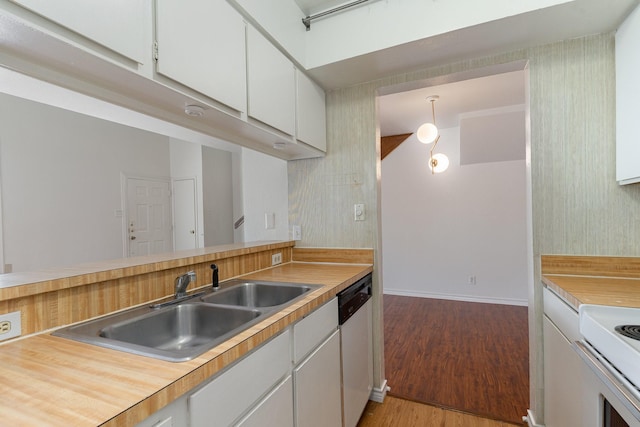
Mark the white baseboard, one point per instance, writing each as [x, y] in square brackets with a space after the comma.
[378, 394]
[530, 420]
[467, 298]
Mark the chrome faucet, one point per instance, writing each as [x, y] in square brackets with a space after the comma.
[182, 282]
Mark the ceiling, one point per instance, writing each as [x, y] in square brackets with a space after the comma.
[569, 20]
[405, 111]
[310, 7]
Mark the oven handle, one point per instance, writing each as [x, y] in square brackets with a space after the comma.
[604, 372]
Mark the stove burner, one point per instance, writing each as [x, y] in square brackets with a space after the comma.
[630, 331]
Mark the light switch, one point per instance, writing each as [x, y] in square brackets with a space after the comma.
[296, 232]
[269, 221]
[358, 212]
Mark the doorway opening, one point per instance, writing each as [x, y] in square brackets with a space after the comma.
[462, 237]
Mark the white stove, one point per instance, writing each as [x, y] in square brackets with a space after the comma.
[598, 327]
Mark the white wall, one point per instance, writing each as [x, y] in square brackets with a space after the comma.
[60, 174]
[437, 230]
[374, 26]
[383, 24]
[265, 190]
[238, 202]
[217, 187]
[282, 20]
[186, 162]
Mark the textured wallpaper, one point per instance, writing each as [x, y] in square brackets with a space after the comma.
[578, 208]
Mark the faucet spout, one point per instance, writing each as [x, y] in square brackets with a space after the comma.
[214, 277]
[182, 282]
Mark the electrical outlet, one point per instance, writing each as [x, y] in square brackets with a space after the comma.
[471, 280]
[276, 258]
[10, 325]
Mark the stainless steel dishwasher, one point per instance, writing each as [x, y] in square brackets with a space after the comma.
[354, 318]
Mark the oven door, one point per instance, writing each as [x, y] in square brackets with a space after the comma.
[607, 399]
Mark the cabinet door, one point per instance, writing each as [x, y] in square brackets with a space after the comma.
[201, 44]
[628, 99]
[172, 415]
[275, 410]
[311, 126]
[118, 24]
[317, 399]
[562, 380]
[562, 374]
[270, 77]
[236, 390]
[357, 364]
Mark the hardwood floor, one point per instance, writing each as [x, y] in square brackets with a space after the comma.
[471, 357]
[396, 412]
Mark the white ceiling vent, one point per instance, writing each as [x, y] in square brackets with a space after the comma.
[497, 137]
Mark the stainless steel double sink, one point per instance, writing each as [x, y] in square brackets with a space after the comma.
[180, 331]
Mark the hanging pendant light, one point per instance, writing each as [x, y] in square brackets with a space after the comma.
[428, 133]
[438, 163]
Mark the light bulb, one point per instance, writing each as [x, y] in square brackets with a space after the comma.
[427, 133]
[439, 163]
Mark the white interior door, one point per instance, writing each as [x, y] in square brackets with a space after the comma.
[149, 216]
[184, 214]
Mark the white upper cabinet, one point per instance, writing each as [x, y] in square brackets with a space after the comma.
[310, 112]
[270, 77]
[628, 100]
[119, 25]
[201, 44]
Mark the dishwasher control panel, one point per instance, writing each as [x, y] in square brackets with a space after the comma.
[354, 297]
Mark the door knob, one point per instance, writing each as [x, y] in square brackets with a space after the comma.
[133, 237]
[193, 231]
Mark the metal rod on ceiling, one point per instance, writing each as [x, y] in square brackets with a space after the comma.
[307, 21]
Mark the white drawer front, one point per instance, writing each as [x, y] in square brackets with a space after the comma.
[562, 315]
[313, 329]
[237, 389]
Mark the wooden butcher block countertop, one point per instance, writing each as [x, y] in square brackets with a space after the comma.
[53, 381]
[593, 280]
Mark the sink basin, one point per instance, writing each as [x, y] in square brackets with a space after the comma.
[175, 333]
[181, 330]
[258, 294]
[180, 327]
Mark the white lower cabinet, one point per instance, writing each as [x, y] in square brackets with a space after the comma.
[291, 380]
[275, 410]
[172, 415]
[231, 393]
[563, 378]
[317, 399]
